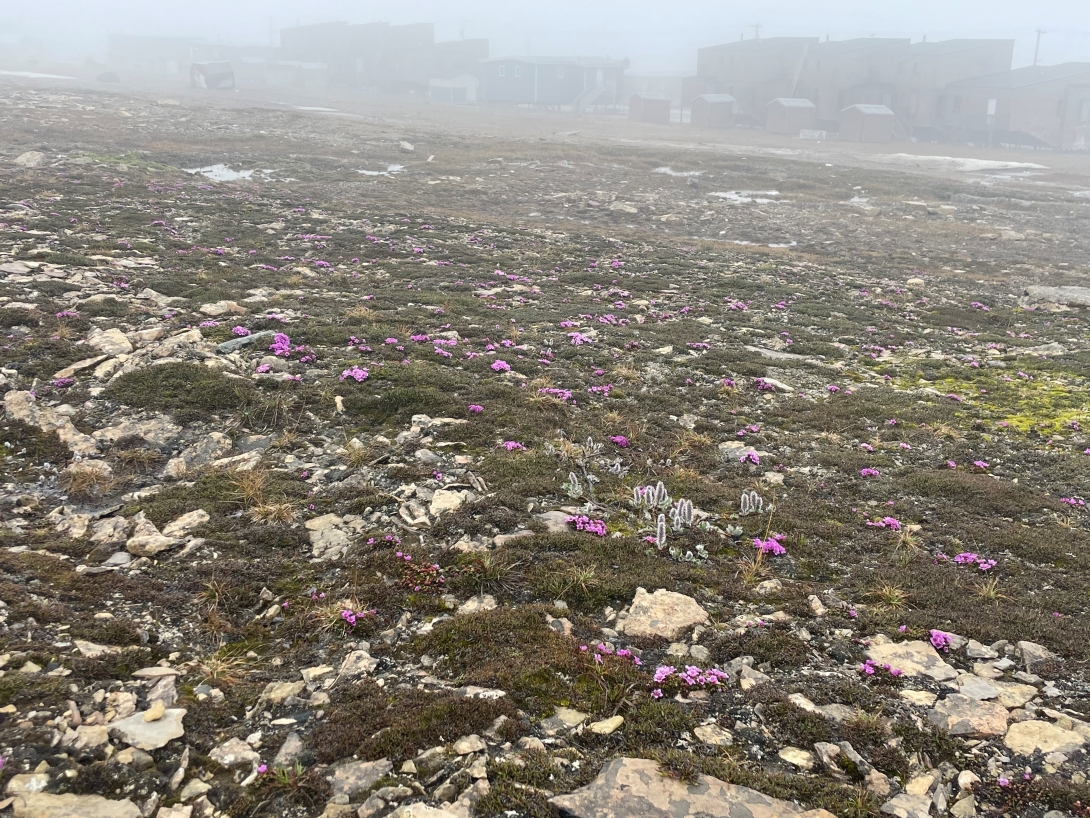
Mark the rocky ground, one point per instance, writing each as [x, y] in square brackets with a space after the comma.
[389, 470]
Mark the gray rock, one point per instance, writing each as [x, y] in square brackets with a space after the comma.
[111, 341]
[357, 663]
[234, 753]
[907, 806]
[1076, 296]
[235, 344]
[1033, 654]
[635, 788]
[42, 805]
[150, 735]
[1027, 737]
[359, 776]
[969, 718]
[556, 522]
[289, 751]
[913, 659]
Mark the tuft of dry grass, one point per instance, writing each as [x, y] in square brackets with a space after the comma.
[85, 482]
[890, 597]
[281, 512]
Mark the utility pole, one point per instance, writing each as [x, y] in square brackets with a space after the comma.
[756, 31]
[1037, 48]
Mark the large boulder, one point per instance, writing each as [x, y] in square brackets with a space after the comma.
[663, 613]
[636, 788]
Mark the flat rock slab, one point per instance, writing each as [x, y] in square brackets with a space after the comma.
[150, 735]
[969, 718]
[359, 776]
[1025, 737]
[663, 613]
[42, 805]
[913, 659]
[635, 788]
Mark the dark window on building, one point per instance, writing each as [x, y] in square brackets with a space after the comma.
[1084, 111]
[502, 70]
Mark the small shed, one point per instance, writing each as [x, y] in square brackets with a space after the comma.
[212, 75]
[713, 111]
[644, 107]
[789, 115]
[866, 123]
[462, 89]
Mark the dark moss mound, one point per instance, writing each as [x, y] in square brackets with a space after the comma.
[188, 391]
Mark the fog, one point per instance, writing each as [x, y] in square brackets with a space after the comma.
[655, 36]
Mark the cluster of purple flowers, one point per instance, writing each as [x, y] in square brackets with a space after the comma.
[941, 640]
[1074, 502]
[619, 440]
[892, 523]
[969, 558]
[869, 473]
[513, 446]
[605, 649]
[352, 617]
[584, 523]
[770, 546]
[475, 408]
[241, 332]
[763, 385]
[355, 373]
[578, 339]
[564, 395]
[691, 676]
[750, 457]
[870, 667]
[501, 366]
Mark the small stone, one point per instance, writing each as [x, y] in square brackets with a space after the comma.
[920, 698]
[714, 735]
[476, 604]
[663, 613]
[311, 674]
[276, 692]
[907, 806]
[357, 663]
[797, 757]
[359, 776]
[234, 753]
[1033, 654]
[748, 678]
[193, 788]
[155, 712]
[966, 807]
[975, 650]
[606, 727]
[469, 744]
[43, 805]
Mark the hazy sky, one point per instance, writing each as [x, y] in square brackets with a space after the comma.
[657, 35]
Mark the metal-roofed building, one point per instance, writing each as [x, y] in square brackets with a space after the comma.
[647, 107]
[866, 123]
[713, 111]
[788, 115]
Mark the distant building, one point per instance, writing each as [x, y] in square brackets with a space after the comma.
[153, 55]
[212, 75]
[562, 81]
[462, 90]
[789, 116]
[1039, 106]
[670, 86]
[838, 73]
[384, 57]
[920, 72]
[866, 123]
[754, 72]
[713, 111]
[653, 108]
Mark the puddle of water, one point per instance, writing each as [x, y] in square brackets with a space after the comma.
[220, 173]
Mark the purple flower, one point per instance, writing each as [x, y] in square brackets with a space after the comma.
[513, 445]
[501, 366]
[240, 331]
[750, 457]
[619, 440]
[940, 640]
[869, 473]
[769, 546]
[475, 409]
[356, 374]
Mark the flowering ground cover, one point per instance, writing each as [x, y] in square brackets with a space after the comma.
[368, 470]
